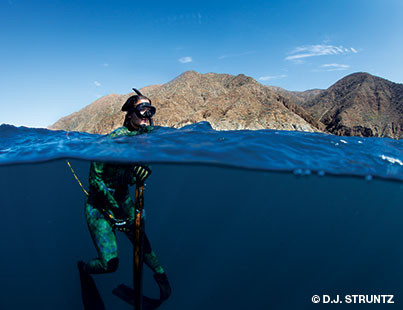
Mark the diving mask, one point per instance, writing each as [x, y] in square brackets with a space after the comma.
[144, 110]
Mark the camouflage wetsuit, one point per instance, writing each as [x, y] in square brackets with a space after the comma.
[109, 189]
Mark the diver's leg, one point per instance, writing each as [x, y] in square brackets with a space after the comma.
[160, 276]
[104, 240]
[151, 260]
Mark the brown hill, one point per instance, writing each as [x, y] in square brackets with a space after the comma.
[225, 101]
[360, 104]
[297, 97]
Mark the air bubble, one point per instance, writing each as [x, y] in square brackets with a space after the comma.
[297, 171]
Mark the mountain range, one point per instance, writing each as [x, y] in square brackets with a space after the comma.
[359, 104]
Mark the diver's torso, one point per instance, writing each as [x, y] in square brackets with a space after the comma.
[117, 178]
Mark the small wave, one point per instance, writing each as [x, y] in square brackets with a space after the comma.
[199, 143]
[392, 160]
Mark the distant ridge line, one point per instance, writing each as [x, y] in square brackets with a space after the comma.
[359, 104]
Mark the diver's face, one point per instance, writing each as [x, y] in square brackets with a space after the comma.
[134, 120]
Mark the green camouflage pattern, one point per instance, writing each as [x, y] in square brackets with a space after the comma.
[109, 190]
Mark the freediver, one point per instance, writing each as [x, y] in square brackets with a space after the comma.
[110, 208]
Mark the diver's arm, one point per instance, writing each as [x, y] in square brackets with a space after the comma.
[98, 184]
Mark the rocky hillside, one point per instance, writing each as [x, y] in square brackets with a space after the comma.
[225, 101]
[360, 104]
[297, 97]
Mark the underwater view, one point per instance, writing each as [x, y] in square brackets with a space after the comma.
[211, 155]
[241, 219]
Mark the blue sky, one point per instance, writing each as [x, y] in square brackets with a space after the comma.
[58, 56]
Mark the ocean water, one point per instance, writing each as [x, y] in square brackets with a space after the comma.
[240, 220]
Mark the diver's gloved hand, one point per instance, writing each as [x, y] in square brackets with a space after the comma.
[141, 172]
[123, 225]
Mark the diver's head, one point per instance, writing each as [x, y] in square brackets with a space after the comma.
[139, 111]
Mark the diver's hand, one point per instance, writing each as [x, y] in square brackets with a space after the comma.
[141, 173]
[123, 225]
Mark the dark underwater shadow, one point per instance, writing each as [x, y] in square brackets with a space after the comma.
[89, 293]
[126, 293]
[92, 299]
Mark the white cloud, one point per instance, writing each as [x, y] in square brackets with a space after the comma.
[185, 60]
[272, 77]
[236, 55]
[318, 50]
[97, 84]
[335, 67]
[105, 65]
[353, 50]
